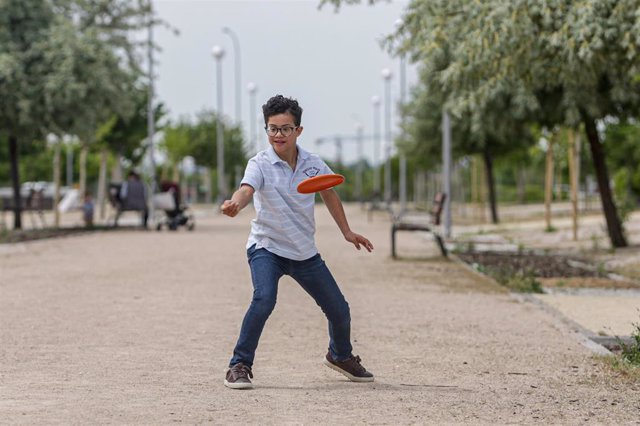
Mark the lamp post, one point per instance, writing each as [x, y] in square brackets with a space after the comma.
[375, 101]
[403, 158]
[386, 75]
[151, 122]
[446, 171]
[218, 54]
[238, 77]
[253, 137]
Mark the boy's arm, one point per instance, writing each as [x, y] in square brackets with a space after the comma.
[238, 201]
[334, 205]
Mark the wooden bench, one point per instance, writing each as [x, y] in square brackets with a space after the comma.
[402, 224]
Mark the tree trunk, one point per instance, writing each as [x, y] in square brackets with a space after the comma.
[15, 181]
[207, 181]
[481, 189]
[175, 175]
[548, 184]
[116, 172]
[573, 181]
[83, 170]
[614, 225]
[102, 182]
[488, 165]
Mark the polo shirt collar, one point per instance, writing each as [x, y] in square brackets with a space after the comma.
[273, 157]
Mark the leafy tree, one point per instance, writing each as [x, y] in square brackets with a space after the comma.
[561, 62]
[60, 69]
[198, 140]
[176, 143]
[128, 129]
[623, 157]
[499, 133]
[23, 28]
[624, 138]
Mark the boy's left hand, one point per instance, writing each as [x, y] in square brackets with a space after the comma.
[357, 240]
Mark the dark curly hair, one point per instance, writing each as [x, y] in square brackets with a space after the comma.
[281, 105]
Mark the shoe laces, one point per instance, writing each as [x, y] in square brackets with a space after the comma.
[357, 362]
[242, 370]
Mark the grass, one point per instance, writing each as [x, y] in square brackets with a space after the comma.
[626, 362]
[621, 369]
[630, 353]
[520, 281]
[515, 280]
[631, 270]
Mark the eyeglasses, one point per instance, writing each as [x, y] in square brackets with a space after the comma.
[284, 131]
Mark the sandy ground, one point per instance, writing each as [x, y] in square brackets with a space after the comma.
[136, 327]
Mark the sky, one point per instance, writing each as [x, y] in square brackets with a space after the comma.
[330, 62]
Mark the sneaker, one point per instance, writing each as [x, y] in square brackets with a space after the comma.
[238, 377]
[352, 368]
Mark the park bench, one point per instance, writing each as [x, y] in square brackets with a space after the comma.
[402, 223]
[34, 201]
[134, 200]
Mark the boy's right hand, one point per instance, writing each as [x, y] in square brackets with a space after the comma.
[230, 208]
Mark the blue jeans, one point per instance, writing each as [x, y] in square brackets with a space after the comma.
[315, 278]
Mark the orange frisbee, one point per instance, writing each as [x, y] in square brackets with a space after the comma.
[319, 183]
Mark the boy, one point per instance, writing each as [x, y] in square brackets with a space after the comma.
[87, 210]
[281, 242]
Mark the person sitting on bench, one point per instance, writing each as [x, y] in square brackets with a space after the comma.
[133, 196]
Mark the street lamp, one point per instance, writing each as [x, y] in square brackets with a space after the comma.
[218, 54]
[386, 75]
[253, 137]
[403, 159]
[151, 122]
[375, 101]
[238, 78]
[446, 171]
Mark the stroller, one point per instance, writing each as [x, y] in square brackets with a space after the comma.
[176, 214]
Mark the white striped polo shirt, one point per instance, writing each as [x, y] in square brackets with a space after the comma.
[284, 223]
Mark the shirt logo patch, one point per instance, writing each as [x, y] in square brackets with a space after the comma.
[311, 171]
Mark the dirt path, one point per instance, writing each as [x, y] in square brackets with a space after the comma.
[137, 327]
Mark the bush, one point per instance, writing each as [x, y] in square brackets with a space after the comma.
[631, 352]
[519, 280]
[509, 194]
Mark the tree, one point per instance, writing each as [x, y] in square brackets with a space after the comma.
[176, 144]
[23, 29]
[129, 128]
[499, 132]
[198, 140]
[61, 70]
[562, 62]
[625, 137]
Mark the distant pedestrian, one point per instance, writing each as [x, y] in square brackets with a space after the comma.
[281, 242]
[88, 209]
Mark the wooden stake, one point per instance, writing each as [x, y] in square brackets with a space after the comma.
[56, 182]
[548, 184]
[573, 182]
